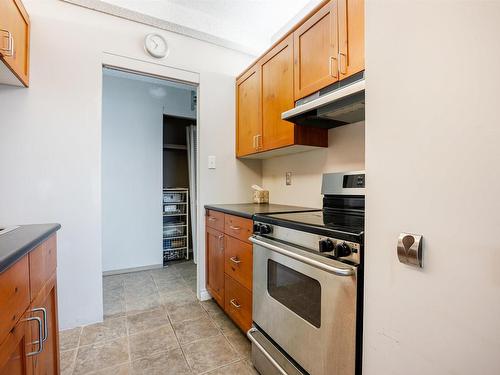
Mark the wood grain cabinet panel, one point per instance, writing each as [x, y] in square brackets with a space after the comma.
[14, 295]
[43, 263]
[14, 43]
[215, 264]
[239, 261]
[248, 112]
[14, 359]
[238, 227]
[238, 303]
[215, 219]
[316, 51]
[351, 25]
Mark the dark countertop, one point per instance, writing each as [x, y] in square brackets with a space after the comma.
[17, 243]
[249, 209]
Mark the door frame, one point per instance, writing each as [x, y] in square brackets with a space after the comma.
[165, 72]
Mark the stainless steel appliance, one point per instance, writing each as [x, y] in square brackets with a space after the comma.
[307, 284]
[338, 104]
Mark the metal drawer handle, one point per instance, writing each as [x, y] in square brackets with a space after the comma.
[264, 351]
[210, 218]
[221, 242]
[234, 228]
[9, 51]
[330, 68]
[45, 324]
[340, 62]
[234, 303]
[235, 260]
[39, 342]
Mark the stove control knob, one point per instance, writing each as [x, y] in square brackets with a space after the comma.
[265, 229]
[326, 246]
[256, 228]
[342, 250]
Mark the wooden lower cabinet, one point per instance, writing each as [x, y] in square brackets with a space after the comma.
[23, 351]
[215, 264]
[229, 266]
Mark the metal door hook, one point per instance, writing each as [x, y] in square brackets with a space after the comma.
[410, 249]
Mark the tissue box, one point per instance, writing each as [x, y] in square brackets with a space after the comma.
[261, 196]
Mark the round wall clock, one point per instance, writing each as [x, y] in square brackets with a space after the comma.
[156, 45]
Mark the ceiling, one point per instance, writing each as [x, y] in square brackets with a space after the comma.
[253, 24]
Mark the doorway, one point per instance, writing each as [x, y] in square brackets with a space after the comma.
[142, 117]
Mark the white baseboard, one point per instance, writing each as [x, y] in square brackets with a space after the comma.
[133, 269]
[204, 295]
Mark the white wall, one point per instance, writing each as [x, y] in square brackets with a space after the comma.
[50, 137]
[345, 152]
[432, 162]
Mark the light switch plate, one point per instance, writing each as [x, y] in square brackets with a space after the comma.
[288, 178]
[211, 162]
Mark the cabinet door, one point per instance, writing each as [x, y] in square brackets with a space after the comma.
[238, 304]
[248, 112]
[277, 95]
[14, 350]
[351, 21]
[47, 362]
[315, 51]
[215, 264]
[14, 26]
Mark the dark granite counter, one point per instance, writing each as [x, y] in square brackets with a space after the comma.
[18, 242]
[247, 210]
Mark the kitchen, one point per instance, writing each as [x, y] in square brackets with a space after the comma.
[436, 319]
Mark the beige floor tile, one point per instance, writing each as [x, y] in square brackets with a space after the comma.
[67, 361]
[150, 342]
[68, 339]
[208, 354]
[110, 329]
[163, 277]
[165, 286]
[113, 281]
[188, 311]
[100, 356]
[147, 320]
[222, 321]
[238, 368]
[124, 369]
[211, 306]
[136, 302]
[177, 299]
[113, 293]
[191, 330]
[240, 343]
[165, 293]
[166, 363]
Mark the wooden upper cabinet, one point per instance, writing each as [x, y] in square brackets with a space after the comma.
[316, 51]
[277, 95]
[14, 43]
[351, 26]
[248, 115]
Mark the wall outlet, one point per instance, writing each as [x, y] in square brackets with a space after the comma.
[288, 178]
[211, 162]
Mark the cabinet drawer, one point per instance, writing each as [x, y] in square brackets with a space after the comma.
[43, 263]
[239, 261]
[14, 295]
[215, 219]
[238, 303]
[238, 227]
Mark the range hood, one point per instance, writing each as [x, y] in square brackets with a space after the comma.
[338, 104]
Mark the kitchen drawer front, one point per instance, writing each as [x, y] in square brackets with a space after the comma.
[239, 261]
[43, 263]
[215, 219]
[238, 227]
[14, 295]
[238, 303]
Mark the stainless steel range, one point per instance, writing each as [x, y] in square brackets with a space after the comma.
[307, 284]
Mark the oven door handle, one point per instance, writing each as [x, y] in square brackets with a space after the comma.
[291, 253]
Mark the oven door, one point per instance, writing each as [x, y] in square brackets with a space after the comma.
[306, 303]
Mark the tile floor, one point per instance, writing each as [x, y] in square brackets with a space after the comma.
[154, 324]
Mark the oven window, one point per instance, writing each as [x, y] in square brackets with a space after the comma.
[298, 292]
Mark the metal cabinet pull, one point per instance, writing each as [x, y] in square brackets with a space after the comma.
[234, 228]
[331, 59]
[234, 303]
[39, 342]
[221, 242]
[235, 260]
[259, 141]
[210, 218]
[340, 62]
[9, 51]
[45, 324]
[253, 144]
